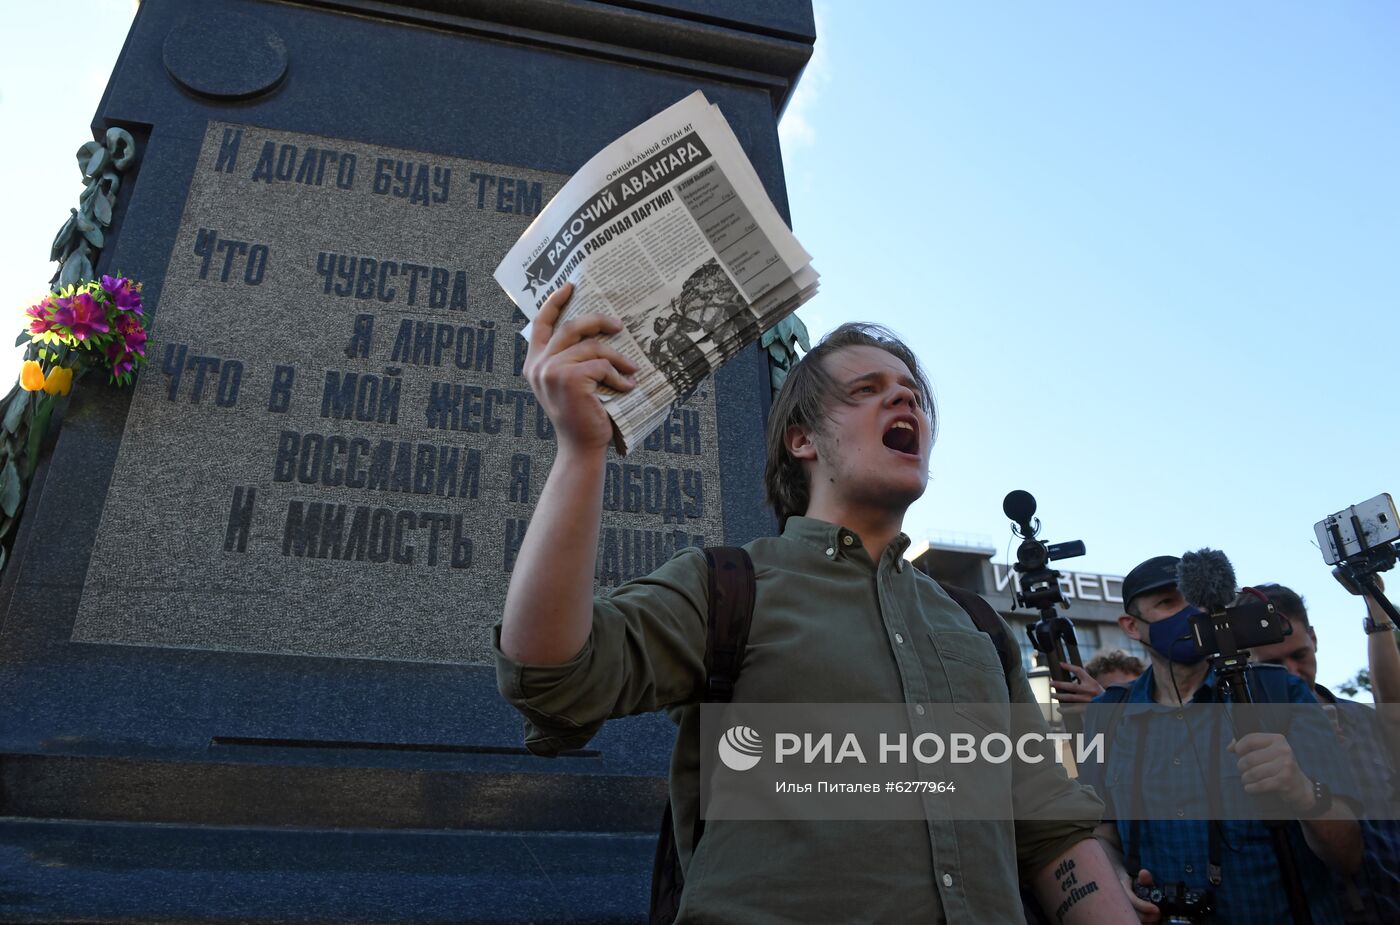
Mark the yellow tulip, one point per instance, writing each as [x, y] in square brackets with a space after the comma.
[31, 376]
[59, 381]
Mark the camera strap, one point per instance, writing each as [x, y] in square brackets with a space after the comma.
[1133, 858]
[1217, 811]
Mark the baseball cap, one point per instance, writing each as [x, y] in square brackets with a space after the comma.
[1157, 572]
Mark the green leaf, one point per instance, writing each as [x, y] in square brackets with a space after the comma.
[37, 428]
[11, 489]
[60, 242]
[72, 269]
[76, 268]
[22, 339]
[87, 151]
[14, 413]
[95, 163]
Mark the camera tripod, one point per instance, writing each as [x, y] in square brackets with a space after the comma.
[1039, 589]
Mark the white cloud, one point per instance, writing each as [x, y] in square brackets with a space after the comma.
[796, 129]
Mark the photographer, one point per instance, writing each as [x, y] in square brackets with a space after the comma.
[1373, 894]
[1232, 862]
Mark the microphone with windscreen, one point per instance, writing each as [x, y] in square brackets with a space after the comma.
[1019, 505]
[1206, 579]
[1230, 621]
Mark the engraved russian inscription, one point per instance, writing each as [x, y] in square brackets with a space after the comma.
[331, 352]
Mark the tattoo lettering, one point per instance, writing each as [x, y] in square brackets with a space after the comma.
[1068, 882]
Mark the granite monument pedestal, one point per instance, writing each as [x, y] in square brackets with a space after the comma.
[245, 668]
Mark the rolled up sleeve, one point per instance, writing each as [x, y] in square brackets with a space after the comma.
[645, 652]
[1077, 810]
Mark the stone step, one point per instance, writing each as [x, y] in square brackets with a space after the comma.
[324, 788]
[115, 872]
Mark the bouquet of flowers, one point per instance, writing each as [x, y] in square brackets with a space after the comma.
[99, 324]
[94, 324]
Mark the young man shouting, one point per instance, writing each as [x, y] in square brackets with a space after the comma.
[839, 617]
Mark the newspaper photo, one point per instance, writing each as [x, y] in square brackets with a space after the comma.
[668, 229]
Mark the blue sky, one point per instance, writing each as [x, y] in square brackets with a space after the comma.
[1146, 250]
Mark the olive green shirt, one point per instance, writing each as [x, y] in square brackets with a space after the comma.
[829, 626]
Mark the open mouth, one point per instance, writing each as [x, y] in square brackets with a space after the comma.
[902, 438]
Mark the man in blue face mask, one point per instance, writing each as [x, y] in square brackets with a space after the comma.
[1232, 859]
[1159, 617]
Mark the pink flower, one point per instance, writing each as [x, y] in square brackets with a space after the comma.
[120, 359]
[42, 315]
[133, 334]
[124, 292]
[81, 315]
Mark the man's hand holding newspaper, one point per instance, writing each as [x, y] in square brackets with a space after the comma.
[567, 364]
[668, 230]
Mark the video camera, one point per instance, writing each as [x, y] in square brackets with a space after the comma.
[1039, 584]
[1039, 588]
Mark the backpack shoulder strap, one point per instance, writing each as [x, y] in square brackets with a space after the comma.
[731, 585]
[986, 620]
[731, 614]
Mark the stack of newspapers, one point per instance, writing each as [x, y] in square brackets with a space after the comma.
[668, 230]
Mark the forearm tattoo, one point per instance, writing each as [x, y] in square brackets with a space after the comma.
[1071, 888]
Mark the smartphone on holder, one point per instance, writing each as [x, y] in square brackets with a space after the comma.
[1360, 527]
[1251, 620]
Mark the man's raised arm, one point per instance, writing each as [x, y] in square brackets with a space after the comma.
[548, 609]
[1383, 658]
